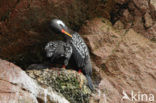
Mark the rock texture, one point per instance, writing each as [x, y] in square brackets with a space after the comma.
[17, 87]
[124, 59]
[71, 84]
[24, 25]
[123, 52]
[137, 14]
[10, 79]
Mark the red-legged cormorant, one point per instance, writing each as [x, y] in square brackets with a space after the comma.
[58, 49]
[80, 50]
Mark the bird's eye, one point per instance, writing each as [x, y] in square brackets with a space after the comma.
[61, 25]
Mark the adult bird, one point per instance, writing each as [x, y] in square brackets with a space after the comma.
[80, 50]
[58, 49]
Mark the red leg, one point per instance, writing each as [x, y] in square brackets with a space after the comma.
[80, 71]
[64, 66]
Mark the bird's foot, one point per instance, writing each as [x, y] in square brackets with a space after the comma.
[80, 71]
[63, 67]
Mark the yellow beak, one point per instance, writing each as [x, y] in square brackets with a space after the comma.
[63, 31]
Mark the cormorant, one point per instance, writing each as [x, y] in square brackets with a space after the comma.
[80, 50]
[58, 49]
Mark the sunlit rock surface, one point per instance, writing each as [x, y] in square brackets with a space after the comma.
[17, 87]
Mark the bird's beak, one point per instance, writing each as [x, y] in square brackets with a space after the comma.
[63, 31]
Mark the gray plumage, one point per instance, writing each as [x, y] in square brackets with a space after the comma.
[80, 50]
[81, 56]
[58, 49]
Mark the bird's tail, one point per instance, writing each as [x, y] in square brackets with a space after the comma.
[90, 83]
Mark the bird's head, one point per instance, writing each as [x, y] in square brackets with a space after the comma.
[60, 27]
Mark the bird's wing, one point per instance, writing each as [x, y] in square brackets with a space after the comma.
[50, 48]
[80, 50]
[68, 50]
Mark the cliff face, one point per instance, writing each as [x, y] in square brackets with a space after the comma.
[124, 59]
[17, 87]
[137, 14]
[24, 25]
[122, 47]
